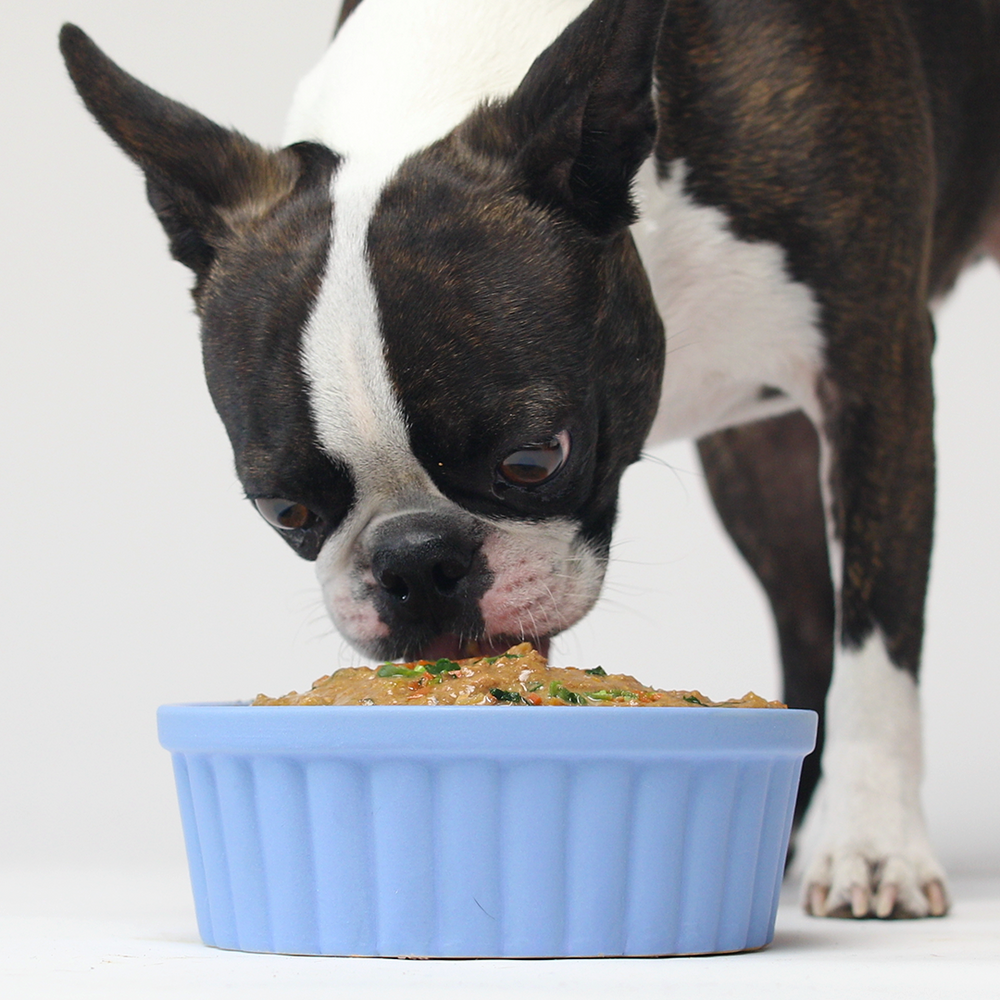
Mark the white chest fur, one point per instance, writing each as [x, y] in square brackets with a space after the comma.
[401, 74]
[735, 322]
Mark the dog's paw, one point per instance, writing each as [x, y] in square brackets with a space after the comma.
[864, 846]
[848, 883]
[868, 857]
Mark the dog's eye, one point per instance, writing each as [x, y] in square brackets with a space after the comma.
[287, 515]
[533, 464]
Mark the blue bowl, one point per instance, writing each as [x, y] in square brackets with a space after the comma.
[486, 831]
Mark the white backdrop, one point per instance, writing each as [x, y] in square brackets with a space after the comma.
[134, 574]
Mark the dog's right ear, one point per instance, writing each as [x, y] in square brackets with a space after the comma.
[202, 180]
[582, 121]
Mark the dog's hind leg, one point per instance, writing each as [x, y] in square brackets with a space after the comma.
[764, 480]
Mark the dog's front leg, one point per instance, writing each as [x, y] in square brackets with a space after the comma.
[867, 851]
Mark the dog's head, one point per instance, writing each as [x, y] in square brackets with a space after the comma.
[432, 384]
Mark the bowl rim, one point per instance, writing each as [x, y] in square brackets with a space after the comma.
[428, 731]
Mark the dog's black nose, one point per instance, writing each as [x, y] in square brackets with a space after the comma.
[426, 565]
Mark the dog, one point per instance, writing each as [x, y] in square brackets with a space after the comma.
[435, 323]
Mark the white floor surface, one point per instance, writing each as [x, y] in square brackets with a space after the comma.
[75, 934]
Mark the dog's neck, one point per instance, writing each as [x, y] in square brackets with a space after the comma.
[379, 109]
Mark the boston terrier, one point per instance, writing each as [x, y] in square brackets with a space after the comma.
[436, 326]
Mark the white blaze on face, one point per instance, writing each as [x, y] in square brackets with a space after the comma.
[358, 418]
[357, 415]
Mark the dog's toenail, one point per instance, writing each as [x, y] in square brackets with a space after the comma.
[885, 901]
[937, 898]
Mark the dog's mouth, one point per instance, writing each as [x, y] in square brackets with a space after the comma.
[454, 647]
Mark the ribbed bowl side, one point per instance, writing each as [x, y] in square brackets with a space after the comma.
[600, 817]
[469, 870]
[340, 803]
[556, 857]
[402, 833]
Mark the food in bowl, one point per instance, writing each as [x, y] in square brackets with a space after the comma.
[521, 676]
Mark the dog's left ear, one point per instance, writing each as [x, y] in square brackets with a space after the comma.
[202, 180]
[582, 121]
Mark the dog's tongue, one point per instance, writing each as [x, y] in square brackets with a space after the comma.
[449, 646]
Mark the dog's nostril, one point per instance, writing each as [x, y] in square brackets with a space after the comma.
[445, 577]
[395, 585]
[447, 574]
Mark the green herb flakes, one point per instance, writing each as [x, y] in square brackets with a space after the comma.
[557, 690]
[508, 697]
[442, 666]
[398, 670]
